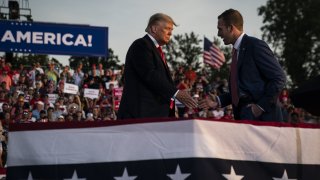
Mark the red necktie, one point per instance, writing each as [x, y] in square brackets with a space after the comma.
[162, 55]
[234, 79]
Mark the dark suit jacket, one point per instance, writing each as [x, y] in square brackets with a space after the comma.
[260, 77]
[148, 85]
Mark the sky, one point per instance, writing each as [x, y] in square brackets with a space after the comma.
[127, 19]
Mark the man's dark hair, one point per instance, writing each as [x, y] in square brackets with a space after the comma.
[232, 17]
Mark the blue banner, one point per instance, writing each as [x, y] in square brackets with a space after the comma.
[52, 38]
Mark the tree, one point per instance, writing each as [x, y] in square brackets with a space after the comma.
[184, 50]
[87, 61]
[293, 28]
[30, 59]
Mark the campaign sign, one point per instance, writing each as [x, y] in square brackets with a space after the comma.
[52, 98]
[70, 88]
[91, 93]
[53, 38]
[117, 92]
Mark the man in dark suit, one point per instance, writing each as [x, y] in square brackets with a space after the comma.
[256, 77]
[149, 90]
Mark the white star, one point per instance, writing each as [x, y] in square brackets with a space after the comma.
[232, 175]
[30, 176]
[284, 176]
[125, 176]
[75, 176]
[178, 175]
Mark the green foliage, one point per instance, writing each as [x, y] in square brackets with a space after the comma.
[111, 62]
[293, 28]
[184, 50]
[30, 59]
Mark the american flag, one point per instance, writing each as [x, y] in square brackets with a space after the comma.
[164, 149]
[212, 55]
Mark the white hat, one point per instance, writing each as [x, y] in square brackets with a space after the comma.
[40, 102]
[90, 116]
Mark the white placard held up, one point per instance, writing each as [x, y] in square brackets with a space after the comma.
[70, 88]
[91, 93]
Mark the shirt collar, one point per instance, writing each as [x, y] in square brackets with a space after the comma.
[154, 40]
[238, 42]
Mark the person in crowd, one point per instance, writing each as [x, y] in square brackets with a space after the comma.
[29, 94]
[22, 83]
[89, 104]
[18, 107]
[68, 117]
[3, 140]
[228, 113]
[25, 117]
[57, 111]
[43, 116]
[89, 117]
[78, 116]
[65, 75]
[4, 77]
[149, 90]
[39, 106]
[191, 75]
[52, 73]
[4, 96]
[218, 113]
[93, 71]
[50, 88]
[36, 98]
[96, 113]
[50, 114]
[100, 71]
[224, 86]
[39, 87]
[5, 109]
[61, 119]
[256, 77]
[78, 76]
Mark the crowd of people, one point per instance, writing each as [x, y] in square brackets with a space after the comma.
[25, 95]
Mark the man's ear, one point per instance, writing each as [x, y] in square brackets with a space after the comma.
[153, 29]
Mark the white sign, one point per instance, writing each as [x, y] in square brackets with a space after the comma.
[70, 88]
[91, 93]
[52, 98]
[115, 84]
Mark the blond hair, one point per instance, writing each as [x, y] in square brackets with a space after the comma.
[154, 19]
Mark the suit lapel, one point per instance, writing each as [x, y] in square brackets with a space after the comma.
[242, 50]
[155, 51]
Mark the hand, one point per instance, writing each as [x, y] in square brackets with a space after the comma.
[184, 97]
[207, 103]
[256, 111]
